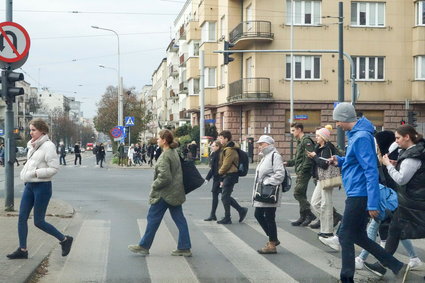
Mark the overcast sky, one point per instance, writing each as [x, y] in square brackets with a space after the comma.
[65, 51]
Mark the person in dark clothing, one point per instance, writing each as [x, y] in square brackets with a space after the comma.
[143, 154]
[158, 152]
[185, 151]
[193, 149]
[121, 154]
[77, 152]
[213, 173]
[408, 172]
[228, 171]
[96, 153]
[100, 154]
[151, 153]
[62, 154]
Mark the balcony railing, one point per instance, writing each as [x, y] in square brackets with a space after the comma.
[251, 29]
[250, 89]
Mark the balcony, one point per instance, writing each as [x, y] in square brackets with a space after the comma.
[250, 89]
[174, 72]
[251, 30]
[183, 58]
[182, 32]
[183, 115]
[183, 87]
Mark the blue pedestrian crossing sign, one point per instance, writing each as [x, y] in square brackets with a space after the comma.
[129, 121]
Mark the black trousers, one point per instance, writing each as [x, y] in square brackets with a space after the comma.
[226, 196]
[62, 160]
[266, 218]
[216, 190]
[77, 157]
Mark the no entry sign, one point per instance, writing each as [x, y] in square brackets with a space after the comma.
[14, 42]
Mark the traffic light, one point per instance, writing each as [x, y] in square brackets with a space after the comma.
[8, 81]
[412, 119]
[226, 55]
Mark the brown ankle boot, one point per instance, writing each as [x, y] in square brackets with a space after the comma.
[270, 248]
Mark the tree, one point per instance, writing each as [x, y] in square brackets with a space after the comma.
[183, 130]
[107, 113]
[195, 134]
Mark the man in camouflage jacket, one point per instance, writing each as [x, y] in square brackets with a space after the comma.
[303, 169]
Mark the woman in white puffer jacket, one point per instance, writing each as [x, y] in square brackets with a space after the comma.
[270, 171]
[41, 166]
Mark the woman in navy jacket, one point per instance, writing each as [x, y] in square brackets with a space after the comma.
[213, 173]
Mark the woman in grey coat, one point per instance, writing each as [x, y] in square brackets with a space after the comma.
[270, 171]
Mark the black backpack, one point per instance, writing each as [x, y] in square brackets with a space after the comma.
[287, 181]
[243, 162]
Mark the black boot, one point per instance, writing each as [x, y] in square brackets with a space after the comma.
[315, 225]
[337, 217]
[225, 220]
[299, 220]
[310, 217]
[211, 218]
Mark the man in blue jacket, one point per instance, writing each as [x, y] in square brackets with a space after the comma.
[360, 178]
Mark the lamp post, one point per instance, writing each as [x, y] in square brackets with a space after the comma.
[120, 94]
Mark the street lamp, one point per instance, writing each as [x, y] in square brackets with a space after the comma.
[120, 95]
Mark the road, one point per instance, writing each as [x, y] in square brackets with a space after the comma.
[112, 204]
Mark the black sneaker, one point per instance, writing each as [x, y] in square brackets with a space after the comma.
[66, 245]
[242, 214]
[211, 218]
[325, 235]
[315, 225]
[224, 221]
[376, 268]
[18, 254]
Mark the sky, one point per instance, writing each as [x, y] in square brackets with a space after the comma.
[66, 51]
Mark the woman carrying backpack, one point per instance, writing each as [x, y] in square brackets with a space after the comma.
[213, 173]
[167, 192]
[270, 171]
[321, 200]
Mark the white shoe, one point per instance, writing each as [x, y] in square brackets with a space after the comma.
[415, 263]
[382, 244]
[359, 263]
[332, 242]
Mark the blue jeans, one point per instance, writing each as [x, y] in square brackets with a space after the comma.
[353, 231]
[372, 231]
[36, 195]
[155, 215]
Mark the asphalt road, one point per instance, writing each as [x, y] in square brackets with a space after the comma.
[112, 203]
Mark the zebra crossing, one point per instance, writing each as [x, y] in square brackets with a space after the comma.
[299, 259]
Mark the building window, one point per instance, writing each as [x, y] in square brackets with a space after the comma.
[208, 32]
[209, 77]
[307, 12]
[194, 49]
[371, 14]
[193, 86]
[420, 13]
[306, 67]
[420, 67]
[369, 68]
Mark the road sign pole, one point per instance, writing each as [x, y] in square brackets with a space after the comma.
[8, 138]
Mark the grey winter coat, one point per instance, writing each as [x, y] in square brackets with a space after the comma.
[269, 174]
[168, 179]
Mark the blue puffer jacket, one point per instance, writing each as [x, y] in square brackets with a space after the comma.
[359, 166]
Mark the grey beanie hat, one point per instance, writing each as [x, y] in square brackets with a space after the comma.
[345, 112]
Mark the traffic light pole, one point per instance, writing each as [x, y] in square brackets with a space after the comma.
[9, 158]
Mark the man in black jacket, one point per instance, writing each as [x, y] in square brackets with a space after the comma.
[77, 152]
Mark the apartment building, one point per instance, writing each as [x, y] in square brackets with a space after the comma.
[251, 95]
[160, 104]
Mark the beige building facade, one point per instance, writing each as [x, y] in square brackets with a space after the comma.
[251, 95]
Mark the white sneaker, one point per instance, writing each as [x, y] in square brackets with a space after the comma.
[382, 244]
[359, 263]
[332, 242]
[415, 263]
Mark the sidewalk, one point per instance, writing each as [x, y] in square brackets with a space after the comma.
[40, 244]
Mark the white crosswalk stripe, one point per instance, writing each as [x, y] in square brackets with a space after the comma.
[177, 267]
[246, 260]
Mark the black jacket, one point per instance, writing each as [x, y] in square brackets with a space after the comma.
[77, 149]
[213, 173]
[326, 152]
[410, 215]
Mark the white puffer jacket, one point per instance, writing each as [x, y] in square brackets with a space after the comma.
[42, 161]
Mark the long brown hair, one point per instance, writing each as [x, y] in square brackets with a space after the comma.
[407, 130]
[167, 135]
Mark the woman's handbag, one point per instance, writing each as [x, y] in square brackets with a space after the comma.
[266, 193]
[329, 178]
